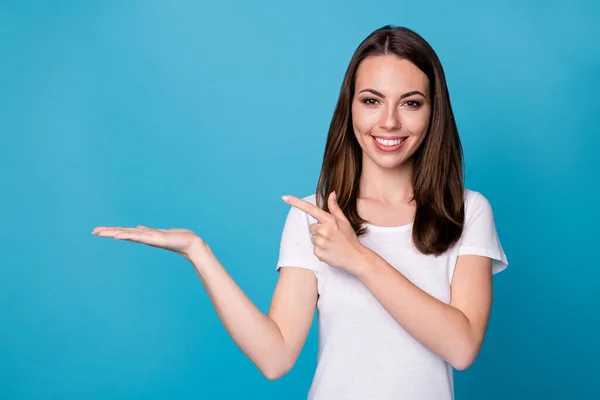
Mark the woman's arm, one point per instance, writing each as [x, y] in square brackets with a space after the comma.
[274, 341]
[454, 331]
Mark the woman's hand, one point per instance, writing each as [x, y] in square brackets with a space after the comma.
[180, 241]
[334, 239]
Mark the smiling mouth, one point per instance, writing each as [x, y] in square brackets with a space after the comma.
[389, 145]
[389, 141]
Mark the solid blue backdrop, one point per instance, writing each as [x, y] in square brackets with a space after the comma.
[201, 115]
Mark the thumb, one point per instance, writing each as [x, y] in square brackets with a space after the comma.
[334, 207]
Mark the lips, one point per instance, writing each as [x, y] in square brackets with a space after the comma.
[390, 137]
[389, 149]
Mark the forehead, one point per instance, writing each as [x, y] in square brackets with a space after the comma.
[390, 74]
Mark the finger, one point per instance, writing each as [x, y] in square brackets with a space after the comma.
[138, 236]
[309, 208]
[334, 207]
[143, 227]
[101, 228]
[316, 229]
[318, 241]
[108, 231]
[136, 230]
[147, 229]
[114, 231]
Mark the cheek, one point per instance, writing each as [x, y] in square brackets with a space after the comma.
[417, 123]
[363, 120]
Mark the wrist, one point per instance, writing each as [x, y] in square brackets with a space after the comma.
[199, 253]
[363, 261]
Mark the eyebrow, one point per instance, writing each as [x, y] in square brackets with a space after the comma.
[407, 94]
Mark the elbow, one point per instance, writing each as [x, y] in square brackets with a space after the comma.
[273, 374]
[462, 363]
[464, 358]
[274, 371]
[465, 354]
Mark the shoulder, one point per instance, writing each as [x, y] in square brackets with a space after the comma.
[475, 204]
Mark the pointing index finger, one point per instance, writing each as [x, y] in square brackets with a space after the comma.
[309, 208]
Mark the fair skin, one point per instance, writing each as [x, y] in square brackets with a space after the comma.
[391, 99]
[273, 341]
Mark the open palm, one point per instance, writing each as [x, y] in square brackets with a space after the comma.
[178, 240]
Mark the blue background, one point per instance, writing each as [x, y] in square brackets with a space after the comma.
[201, 115]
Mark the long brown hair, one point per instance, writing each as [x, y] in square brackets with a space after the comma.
[438, 162]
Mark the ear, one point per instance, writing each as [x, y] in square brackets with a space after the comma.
[334, 208]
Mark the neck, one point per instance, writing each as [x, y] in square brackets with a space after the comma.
[387, 185]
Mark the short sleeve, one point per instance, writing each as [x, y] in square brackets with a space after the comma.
[479, 235]
[296, 248]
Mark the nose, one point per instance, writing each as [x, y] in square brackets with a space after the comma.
[389, 118]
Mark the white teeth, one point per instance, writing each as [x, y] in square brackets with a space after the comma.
[386, 142]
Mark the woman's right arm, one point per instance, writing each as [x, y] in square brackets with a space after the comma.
[273, 341]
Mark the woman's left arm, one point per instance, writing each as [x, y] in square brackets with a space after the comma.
[454, 331]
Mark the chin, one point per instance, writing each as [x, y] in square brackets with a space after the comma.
[388, 162]
[394, 165]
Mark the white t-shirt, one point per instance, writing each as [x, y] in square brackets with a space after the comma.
[363, 352]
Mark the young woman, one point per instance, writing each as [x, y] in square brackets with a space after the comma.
[396, 254]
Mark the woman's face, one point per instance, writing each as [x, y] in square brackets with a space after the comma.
[390, 109]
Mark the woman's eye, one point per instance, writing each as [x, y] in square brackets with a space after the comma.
[369, 101]
[413, 103]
